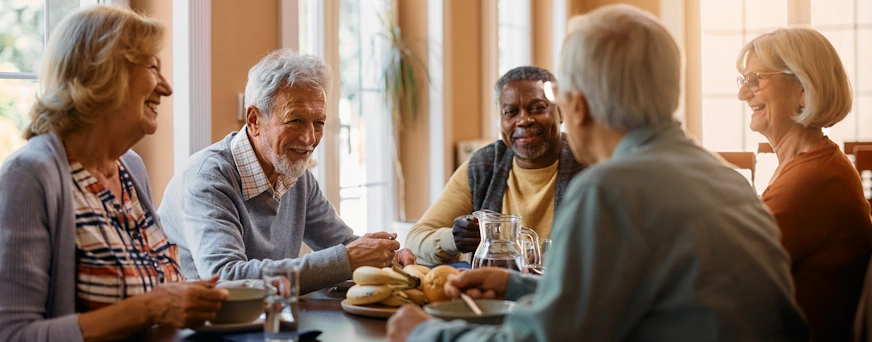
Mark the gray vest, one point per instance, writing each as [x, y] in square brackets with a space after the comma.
[489, 170]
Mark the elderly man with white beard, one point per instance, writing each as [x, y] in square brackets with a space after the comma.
[249, 201]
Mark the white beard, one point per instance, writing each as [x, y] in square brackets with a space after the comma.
[281, 163]
[533, 154]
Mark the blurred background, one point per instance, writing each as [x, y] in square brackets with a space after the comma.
[382, 164]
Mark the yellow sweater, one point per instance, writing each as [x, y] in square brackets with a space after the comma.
[529, 193]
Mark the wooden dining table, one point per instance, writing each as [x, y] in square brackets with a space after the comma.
[320, 311]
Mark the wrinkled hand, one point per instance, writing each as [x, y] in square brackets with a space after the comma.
[185, 305]
[373, 249]
[485, 282]
[401, 324]
[405, 257]
[466, 233]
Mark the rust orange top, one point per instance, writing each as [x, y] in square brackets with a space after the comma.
[826, 228]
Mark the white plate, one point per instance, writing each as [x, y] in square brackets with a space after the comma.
[371, 310]
[231, 327]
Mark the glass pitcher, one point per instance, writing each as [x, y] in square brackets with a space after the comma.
[500, 245]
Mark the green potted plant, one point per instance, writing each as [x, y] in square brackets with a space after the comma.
[401, 92]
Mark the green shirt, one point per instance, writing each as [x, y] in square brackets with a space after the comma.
[660, 243]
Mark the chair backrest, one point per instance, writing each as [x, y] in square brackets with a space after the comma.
[764, 147]
[863, 161]
[850, 145]
[863, 157]
[742, 160]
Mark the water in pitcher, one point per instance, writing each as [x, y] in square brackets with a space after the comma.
[509, 262]
[500, 246]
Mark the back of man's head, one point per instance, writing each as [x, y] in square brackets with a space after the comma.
[625, 63]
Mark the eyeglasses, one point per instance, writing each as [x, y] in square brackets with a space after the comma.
[753, 79]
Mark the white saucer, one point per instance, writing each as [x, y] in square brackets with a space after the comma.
[231, 327]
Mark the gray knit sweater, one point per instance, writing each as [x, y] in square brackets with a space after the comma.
[218, 232]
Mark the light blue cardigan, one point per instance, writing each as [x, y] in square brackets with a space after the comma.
[38, 241]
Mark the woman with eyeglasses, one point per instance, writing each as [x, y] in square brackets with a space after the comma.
[82, 254]
[795, 84]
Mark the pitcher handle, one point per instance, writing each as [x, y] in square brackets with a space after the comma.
[534, 237]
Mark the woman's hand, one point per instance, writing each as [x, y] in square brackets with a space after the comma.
[185, 305]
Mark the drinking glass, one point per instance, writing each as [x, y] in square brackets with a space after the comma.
[282, 293]
[530, 264]
[544, 248]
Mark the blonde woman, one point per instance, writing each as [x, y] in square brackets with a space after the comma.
[795, 84]
[82, 255]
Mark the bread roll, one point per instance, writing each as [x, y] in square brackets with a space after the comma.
[434, 283]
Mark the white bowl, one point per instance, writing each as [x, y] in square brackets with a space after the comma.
[493, 311]
[243, 305]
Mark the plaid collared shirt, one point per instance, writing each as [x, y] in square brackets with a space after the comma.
[254, 181]
[120, 250]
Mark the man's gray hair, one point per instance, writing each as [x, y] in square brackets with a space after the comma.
[284, 68]
[529, 73]
[625, 63]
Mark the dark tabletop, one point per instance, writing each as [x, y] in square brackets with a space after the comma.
[320, 311]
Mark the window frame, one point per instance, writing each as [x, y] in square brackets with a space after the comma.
[322, 28]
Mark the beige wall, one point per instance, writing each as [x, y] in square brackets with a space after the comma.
[683, 14]
[542, 41]
[464, 59]
[693, 71]
[415, 137]
[583, 6]
[242, 33]
[157, 150]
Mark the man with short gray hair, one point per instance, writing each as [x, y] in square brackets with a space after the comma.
[249, 200]
[657, 240]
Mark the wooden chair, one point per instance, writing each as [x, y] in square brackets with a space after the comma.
[851, 145]
[863, 160]
[764, 147]
[742, 160]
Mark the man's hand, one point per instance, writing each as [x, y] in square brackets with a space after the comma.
[185, 305]
[405, 257]
[466, 233]
[485, 282]
[401, 324]
[372, 249]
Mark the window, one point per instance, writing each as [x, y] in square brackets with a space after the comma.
[514, 34]
[508, 23]
[23, 27]
[365, 178]
[848, 26]
[727, 25]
